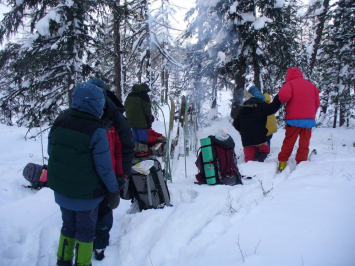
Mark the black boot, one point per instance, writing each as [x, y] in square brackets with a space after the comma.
[99, 254]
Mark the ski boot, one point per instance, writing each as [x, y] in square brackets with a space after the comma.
[282, 165]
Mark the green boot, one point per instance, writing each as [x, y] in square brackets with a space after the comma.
[83, 253]
[65, 251]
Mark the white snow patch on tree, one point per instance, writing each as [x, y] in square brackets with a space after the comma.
[319, 11]
[207, 3]
[43, 24]
[260, 22]
[222, 56]
[279, 3]
[19, 2]
[246, 17]
[25, 84]
[233, 7]
[220, 36]
[69, 3]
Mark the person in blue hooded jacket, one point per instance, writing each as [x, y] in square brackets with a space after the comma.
[251, 124]
[80, 172]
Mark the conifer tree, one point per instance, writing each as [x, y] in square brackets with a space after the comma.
[336, 63]
[50, 59]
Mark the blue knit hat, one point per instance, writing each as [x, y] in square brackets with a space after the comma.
[253, 90]
[88, 98]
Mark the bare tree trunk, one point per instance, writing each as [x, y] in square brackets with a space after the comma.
[335, 112]
[214, 88]
[71, 86]
[319, 33]
[239, 88]
[117, 39]
[240, 80]
[257, 71]
[148, 67]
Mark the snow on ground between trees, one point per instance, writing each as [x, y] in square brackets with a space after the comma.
[302, 216]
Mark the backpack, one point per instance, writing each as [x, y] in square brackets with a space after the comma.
[158, 149]
[223, 162]
[35, 174]
[149, 190]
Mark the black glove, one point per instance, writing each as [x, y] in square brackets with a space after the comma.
[121, 180]
[114, 199]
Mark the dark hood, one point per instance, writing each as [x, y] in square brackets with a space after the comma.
[138, 88]
[116, 101]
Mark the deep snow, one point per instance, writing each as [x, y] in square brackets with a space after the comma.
[306, 219]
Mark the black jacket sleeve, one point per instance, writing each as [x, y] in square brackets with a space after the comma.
[236, 122]
[273, 107]
[127, 144]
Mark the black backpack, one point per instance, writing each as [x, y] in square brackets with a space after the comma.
[33, 174]
[150, 191]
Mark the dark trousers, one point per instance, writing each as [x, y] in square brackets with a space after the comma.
[268, 138]
[291, 136]
[103, 225]
[140, 135]
[79, 224]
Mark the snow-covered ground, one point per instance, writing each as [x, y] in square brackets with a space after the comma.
[306, 219]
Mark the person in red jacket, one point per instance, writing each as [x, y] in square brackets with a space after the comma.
[155, 138]
[302, 98]
[121, 147]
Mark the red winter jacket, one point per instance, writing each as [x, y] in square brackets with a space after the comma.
[301, 96]
[114, 143]
[153, 136]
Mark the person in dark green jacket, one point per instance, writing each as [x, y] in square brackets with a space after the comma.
[80, 172]
[139, 116]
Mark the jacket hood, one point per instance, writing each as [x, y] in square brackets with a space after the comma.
[88, 98]
[99, 83]
[137, 88]
[267, 97]
[248, 105]
[293, 73]
[116, 101]
[256, 93]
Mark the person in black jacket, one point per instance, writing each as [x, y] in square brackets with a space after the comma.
[121, 145]
[251, 124]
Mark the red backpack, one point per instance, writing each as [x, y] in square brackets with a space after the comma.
[224, 161]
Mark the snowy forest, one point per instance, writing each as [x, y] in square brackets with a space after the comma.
[49, 46]
[207, 52]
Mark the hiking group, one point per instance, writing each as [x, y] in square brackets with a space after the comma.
[92, 145]
[256, 121]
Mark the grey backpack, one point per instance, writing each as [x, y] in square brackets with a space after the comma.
[35, 174]
[150, 191]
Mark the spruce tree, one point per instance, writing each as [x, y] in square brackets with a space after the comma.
[50, 59]
[336, 63]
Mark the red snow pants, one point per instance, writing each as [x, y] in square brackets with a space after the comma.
[291, 136]
[250, 151]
